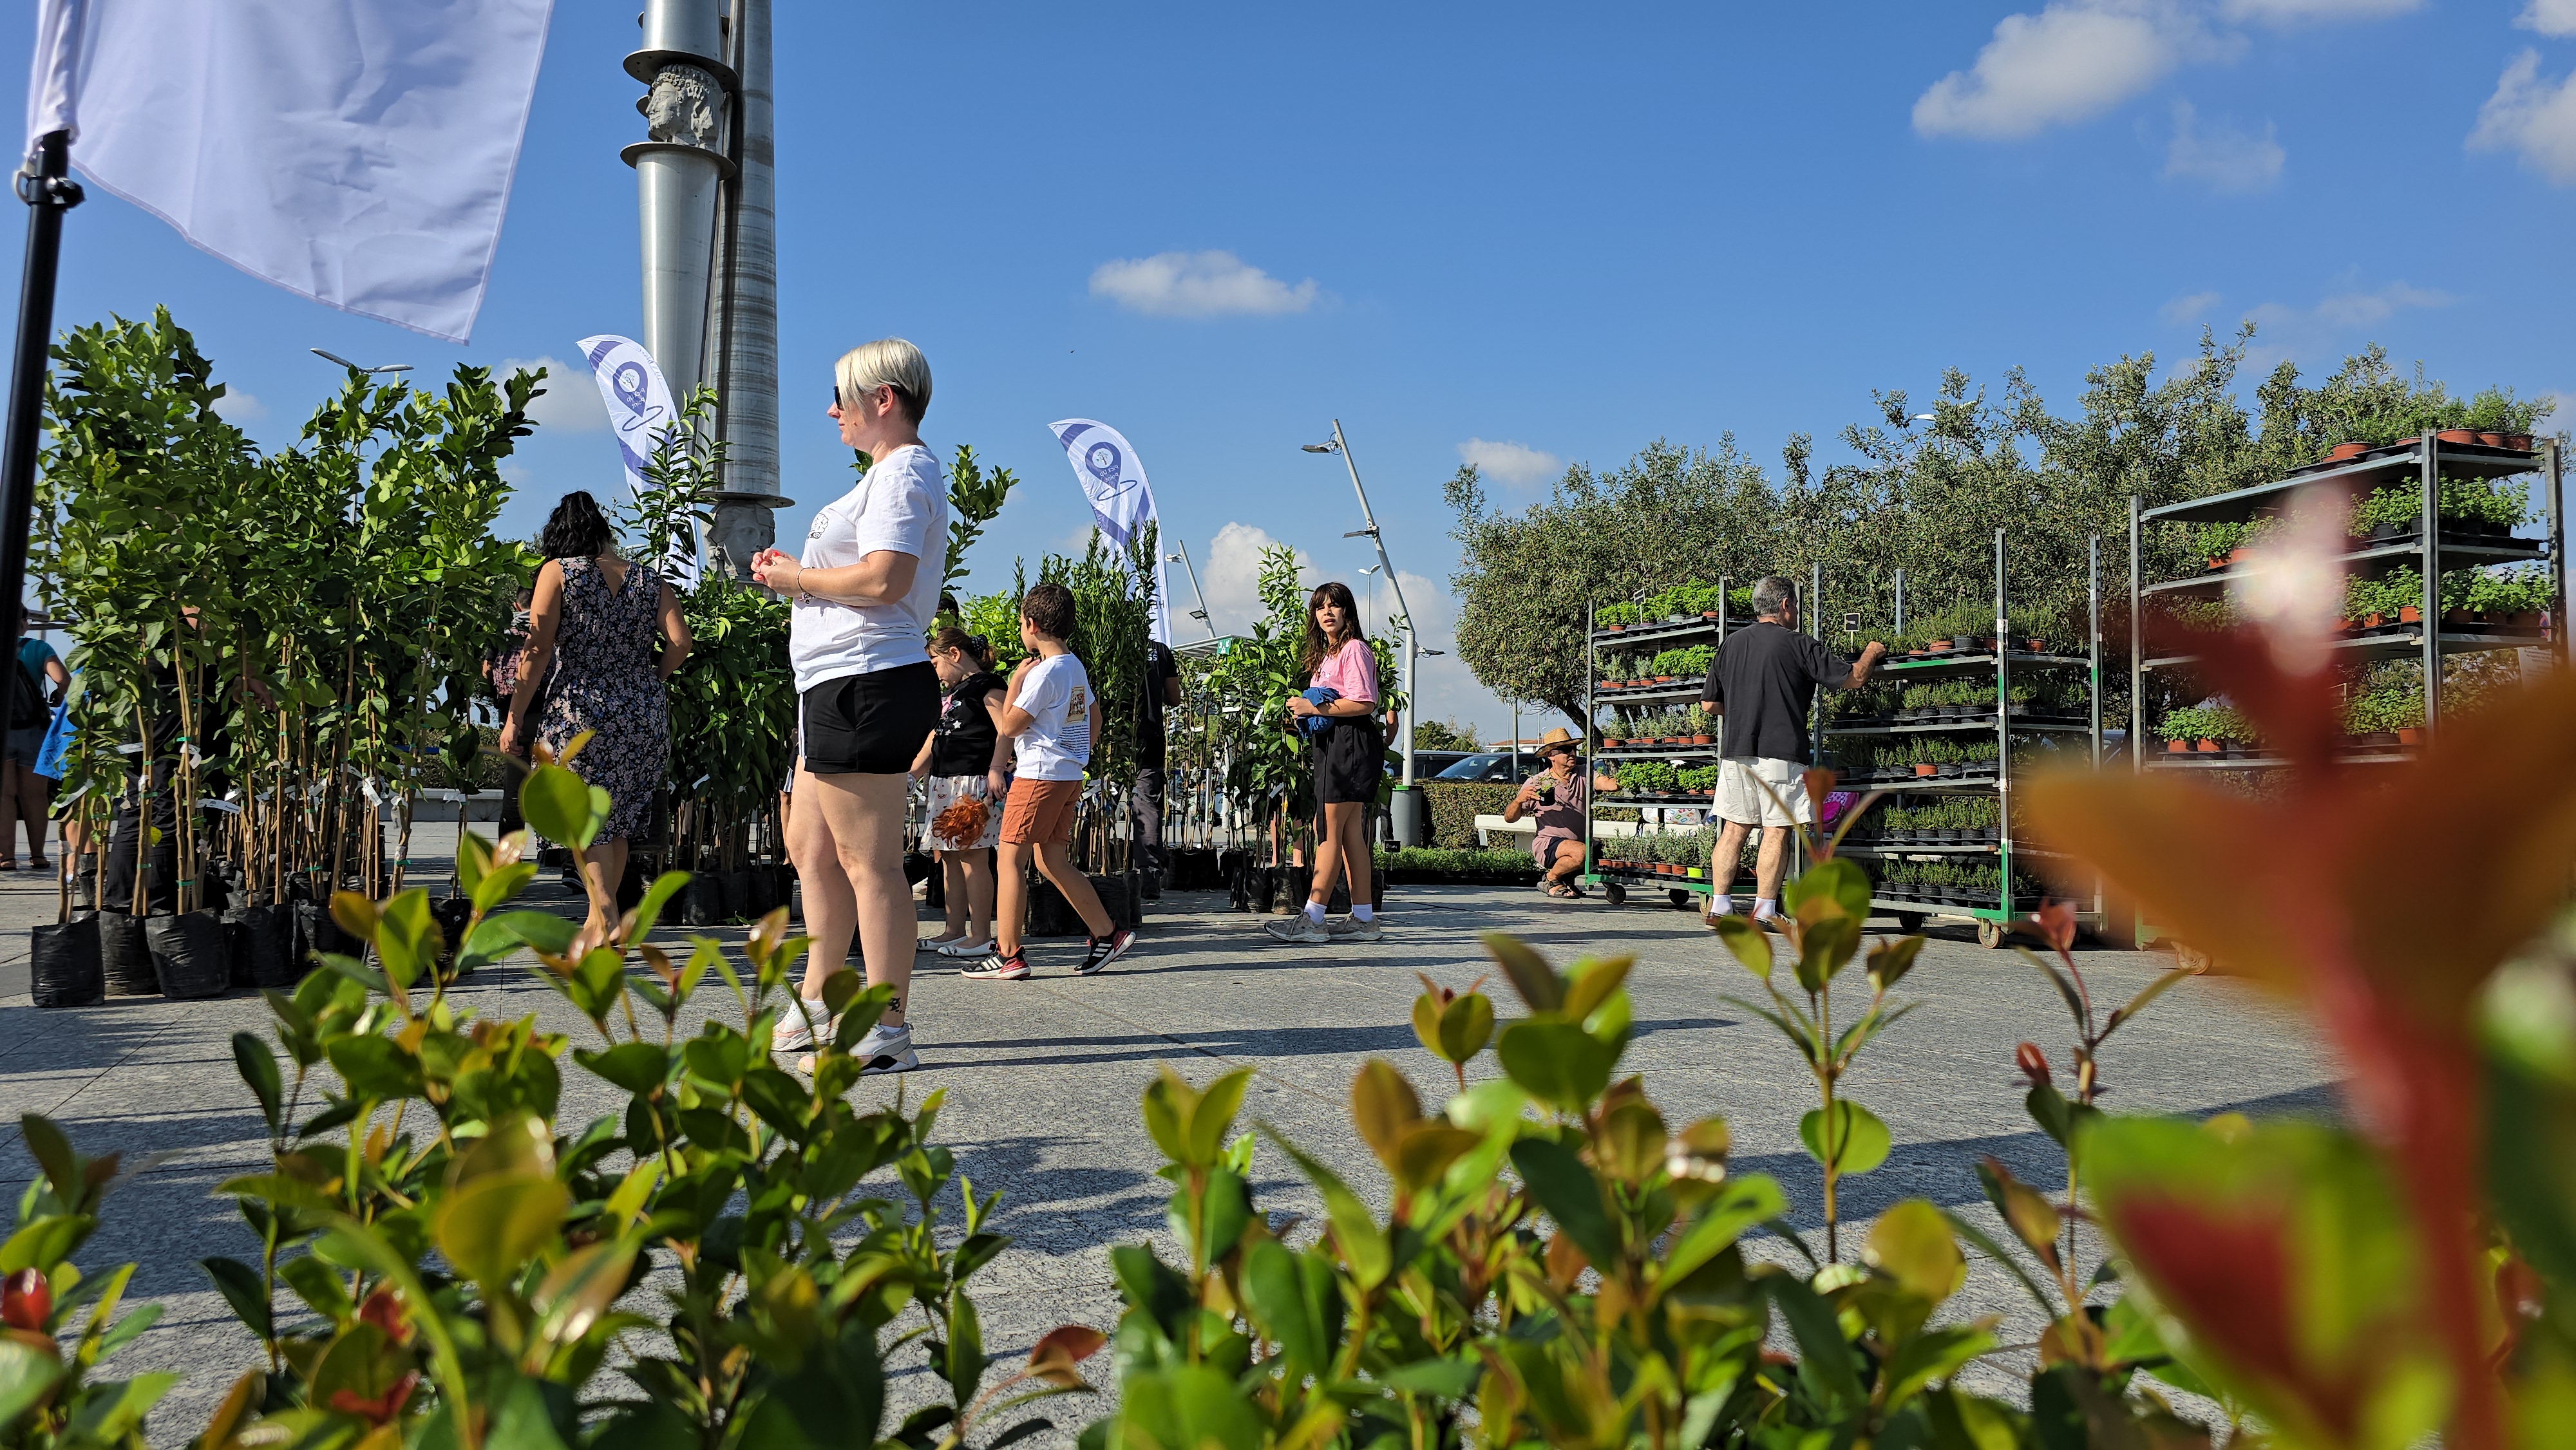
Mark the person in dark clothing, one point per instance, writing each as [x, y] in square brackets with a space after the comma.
[1763, 679]
[964, 761]
[1145, 803]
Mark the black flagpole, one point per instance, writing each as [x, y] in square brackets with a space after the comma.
[48, 193]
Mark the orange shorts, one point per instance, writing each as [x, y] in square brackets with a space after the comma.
[1040, 812]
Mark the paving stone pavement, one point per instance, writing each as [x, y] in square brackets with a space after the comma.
[1043, 1076]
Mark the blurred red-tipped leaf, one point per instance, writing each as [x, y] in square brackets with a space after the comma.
[1057, 1351]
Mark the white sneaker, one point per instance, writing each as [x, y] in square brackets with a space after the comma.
[964, 948]
[1301, 928]
[884, 1049]
[1351, 928]
[794, 1033]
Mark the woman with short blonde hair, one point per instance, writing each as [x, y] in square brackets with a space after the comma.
[864, 591]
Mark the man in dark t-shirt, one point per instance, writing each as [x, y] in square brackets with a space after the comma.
[1162, 689]
[1762, 680]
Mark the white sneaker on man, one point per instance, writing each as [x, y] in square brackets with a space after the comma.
[1302, 929]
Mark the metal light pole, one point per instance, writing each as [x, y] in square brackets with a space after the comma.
[43, 184]
[745, 304]
[1408, 812]
[677, 175]
[1182, 557]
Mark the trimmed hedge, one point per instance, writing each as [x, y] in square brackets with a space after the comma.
[1432, 859]
[1455, 804]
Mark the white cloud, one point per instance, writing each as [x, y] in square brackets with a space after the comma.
[1231, 575]
[2283, 331]
[2070, 62]
[2227, 159]
[2533, 115]
[2296, 12]
[1511, 463]
[2549, 17]
[237, 406]
[570, 402]
[2189, 308]
[2076, 59]
[1199, 284]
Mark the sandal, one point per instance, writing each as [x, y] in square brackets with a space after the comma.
[39, 863]
[1561, 891]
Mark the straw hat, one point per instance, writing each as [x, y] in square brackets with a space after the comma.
[1560, 736]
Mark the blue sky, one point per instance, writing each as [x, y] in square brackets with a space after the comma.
[1527, 235]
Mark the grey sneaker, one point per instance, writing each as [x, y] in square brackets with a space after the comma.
[1300, 928]
[885, 1049]
[1351, 928]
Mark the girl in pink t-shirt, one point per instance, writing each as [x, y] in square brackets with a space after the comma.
[1349, 754]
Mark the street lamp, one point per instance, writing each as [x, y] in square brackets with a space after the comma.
[1182, 558]
[1408, 810]
[353, 367]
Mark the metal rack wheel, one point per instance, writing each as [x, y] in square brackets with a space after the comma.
[1909, 922]
[1681, 899]
[1990, 934]
[1615, 894]
[2191, 959]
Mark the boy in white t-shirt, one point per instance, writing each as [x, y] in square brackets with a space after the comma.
[1049, 715]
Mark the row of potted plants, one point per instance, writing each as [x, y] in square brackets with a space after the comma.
[1665, 667]
[2469, 509]
[1662, 778]
[1950, 883]
[1967, 701]
[2515, 598]
[1693, 726]
[1683, 854]
[1680, 604]
[1965, 820]
[1969, 627]
[1919, 757]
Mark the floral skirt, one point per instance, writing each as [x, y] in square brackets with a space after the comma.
[947, 793]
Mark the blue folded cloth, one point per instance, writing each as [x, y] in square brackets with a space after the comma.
[1319, 697]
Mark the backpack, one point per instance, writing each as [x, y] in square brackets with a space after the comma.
[27, 708]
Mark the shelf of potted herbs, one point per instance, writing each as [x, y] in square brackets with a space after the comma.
[2445, 557]
[1971, 694]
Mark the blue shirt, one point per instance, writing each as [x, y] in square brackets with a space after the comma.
[35, 654]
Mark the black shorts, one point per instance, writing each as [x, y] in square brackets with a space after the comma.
[1350, 762]
[871, 724]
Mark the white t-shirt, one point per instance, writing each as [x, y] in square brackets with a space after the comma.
[902, 505]
[1057, 694]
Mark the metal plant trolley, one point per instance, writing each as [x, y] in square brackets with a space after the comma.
[2001, 655]
[1662, 634]
[2429, 550]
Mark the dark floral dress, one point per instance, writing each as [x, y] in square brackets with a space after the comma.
[603, 680]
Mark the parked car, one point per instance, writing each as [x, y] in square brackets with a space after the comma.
[1427, 764]
[1494, 768]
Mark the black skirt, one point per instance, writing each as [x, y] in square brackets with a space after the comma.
[1350, 761]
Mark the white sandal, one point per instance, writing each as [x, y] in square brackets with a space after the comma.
[963, 948]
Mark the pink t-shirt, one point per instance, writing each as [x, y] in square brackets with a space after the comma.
[1350, 671]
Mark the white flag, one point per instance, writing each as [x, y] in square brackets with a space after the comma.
[639, 408]
[357, 152]
[1113, 479]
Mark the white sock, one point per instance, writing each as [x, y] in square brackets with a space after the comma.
[1765, 906]
[816, 1011]
[1721, 906]
[1363, 913]
[1315, 912]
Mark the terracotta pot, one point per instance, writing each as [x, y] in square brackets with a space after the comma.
[2456, 435]
[1663, 679]
[2177, 747]
[1702, 740]
[2209, 747]
[1940, 646]
[2491, 440]
[2456, 616]
[2373, 621]
[2217, 563]
[2410, 615]
[1614, 629]
[2237, 556]
[2039, 646]
[2528, 619]
[2518, 440]
[1708, 614]
[1614, 741]
[2342, 451]
[1609, 684]
[1923, 769]
[2410, 737]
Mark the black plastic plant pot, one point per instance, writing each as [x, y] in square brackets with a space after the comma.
[315, 931]
[702, 901]
[189, 954]
[62, 965]
[124, 960]
[1962, 641]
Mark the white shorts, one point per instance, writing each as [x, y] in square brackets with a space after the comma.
[945, 792]
[1740, 796]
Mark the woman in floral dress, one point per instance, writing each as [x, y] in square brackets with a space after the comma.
[590, 638]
